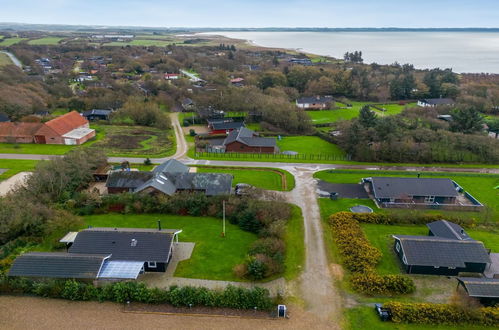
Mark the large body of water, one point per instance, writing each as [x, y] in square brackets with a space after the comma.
[462, 51]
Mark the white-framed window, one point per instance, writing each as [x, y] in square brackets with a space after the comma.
[404, 260]
[429, 199]
[151, 264]
[397, 246]
[436, 266]
[452, 267]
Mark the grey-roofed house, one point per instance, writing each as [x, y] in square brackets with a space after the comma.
[314, 102]
[246, 140]
[4, 118]
[58, 265]
[447, 229]
[448, 254]
[486, 290]
[430, 103]
[126, 181]
[187, 104]
[407, 192]
[169, 178]
[224, 126]
[96, 114]
[171, 166]
[152, 248]
[211, 184]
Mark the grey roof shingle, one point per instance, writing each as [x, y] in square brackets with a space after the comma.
[171, 166]
[442, 252]
[98, 112]
[220, 125]
[151, 245]
[314, 99]
[249, 138]
[481, 287]
[127, 179]
[444, 228]
[58, 265]
[388, 187]
[440, 101]
[211, 183]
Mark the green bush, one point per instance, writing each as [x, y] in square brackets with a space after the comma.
[361, 258]
[428, 313]
[121, 292]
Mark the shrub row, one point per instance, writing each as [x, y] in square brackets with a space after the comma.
[428, 313]
[361, 258]
[230, 297]
[416, 218]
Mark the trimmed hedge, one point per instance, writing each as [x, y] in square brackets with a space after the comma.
[361, 258]
[121, 292]
[415, 218]
[428, 313]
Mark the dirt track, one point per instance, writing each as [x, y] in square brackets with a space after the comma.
[39, 313]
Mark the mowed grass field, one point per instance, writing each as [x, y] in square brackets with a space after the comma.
[45, 41]
[380, 236]
[309, 145]
[14, 166]
[11, 41]
[331, 116]
[270, 179]
[481, 186]
[213, 256]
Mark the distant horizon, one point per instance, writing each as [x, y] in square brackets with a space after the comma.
[111, 26]
[255, 14]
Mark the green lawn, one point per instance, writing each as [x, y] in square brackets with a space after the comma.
[47, 41]
[295, 245]
[15, 166]
[11, 41]
[360, 318]
[213, 256]
[331, 116]
[309, 145]
[380, 236]
[4, 59]
[261, 178]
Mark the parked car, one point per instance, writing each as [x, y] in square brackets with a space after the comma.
[383, 313]
[243, 189]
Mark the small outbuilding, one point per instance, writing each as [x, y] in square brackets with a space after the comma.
[97, 114]
[246, 140]
[486, 290]
[431, 103]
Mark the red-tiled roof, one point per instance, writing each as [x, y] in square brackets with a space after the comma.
[66, 123]
[12, 129]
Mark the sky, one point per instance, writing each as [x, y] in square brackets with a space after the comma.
[255, 13]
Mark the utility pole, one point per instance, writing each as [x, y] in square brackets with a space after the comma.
[223, 221]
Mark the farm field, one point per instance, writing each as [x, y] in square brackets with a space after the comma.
[270, 179]
[11, 41]
[213, 256]
[140, 42]
[481, 186]
[45, 41]
[14, 166]
[4, 59]
[136, 141]
[380, 236]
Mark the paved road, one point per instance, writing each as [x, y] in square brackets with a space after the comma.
[13, 58]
